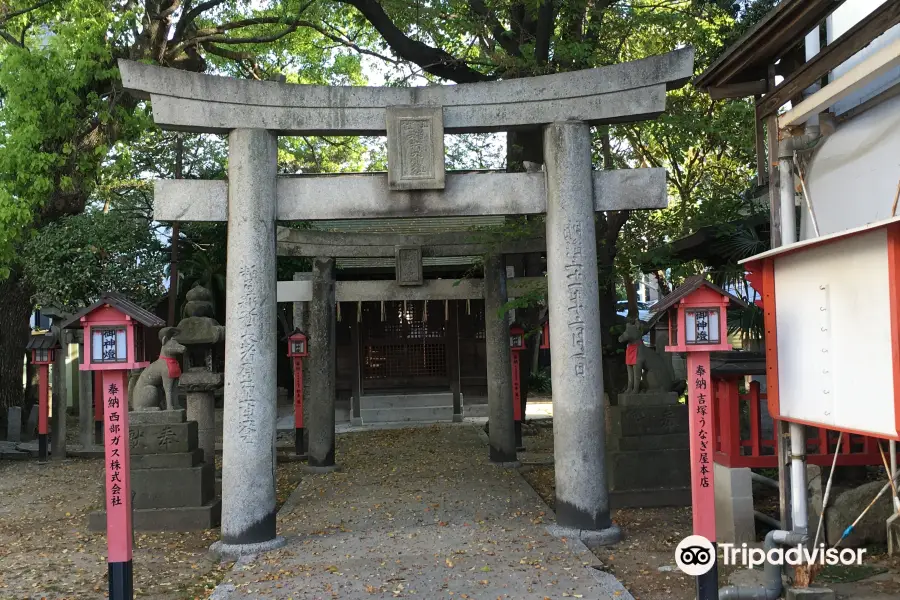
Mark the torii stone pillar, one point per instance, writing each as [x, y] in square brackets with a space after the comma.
[319, 405]
[248, 466]
[502, 435]
[579, 415]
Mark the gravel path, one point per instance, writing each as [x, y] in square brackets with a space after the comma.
[418, 513]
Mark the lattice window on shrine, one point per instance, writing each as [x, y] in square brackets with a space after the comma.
[702, 325]
[108, 345]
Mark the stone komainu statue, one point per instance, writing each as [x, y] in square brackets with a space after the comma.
[645, 365]
[161, 375]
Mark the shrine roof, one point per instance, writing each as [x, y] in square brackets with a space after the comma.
[42, 341]
[810, 243]
[691, 284]
[763, 44]
[119, 302]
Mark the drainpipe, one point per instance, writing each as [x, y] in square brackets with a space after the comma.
[799, 515]
[772, 588]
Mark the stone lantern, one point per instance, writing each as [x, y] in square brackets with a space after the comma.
[204, 341]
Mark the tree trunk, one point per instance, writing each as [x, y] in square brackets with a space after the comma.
[15, 311]
[631, 295]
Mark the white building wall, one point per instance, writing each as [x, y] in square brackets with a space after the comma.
[854, 173]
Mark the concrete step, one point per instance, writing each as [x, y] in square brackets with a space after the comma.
[396, 415]
[406, 400]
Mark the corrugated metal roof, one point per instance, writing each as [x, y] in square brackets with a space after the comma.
[427, 261]
[411, 225]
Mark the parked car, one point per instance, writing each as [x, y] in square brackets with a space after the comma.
[643, 309]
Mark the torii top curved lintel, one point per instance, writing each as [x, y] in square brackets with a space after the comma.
[631, 91]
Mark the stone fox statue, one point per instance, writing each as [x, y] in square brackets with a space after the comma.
[644, 364]
[163, 373]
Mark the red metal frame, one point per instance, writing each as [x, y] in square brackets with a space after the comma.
[732, 450]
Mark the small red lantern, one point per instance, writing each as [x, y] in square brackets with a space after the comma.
[545, 335]
[43, 346]
[114, 338]
[516, 337]
[298, 349]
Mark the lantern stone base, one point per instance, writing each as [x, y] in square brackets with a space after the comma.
[173, 489]
[648, 451]
[184, 518]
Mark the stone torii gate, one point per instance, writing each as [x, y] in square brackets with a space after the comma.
[254, 113]
[408, 251]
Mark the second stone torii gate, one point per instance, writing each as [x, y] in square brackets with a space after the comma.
[415, 119]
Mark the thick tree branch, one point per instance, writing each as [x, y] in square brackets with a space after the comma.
[10, 39]
[434, 60]
[501, 35]
[192, 14]
[5, 17]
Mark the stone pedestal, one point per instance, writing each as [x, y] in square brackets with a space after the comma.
[14, 424]
[649, 451]
[32, 424]
[173, 489]
[735, 522]
[201, 407]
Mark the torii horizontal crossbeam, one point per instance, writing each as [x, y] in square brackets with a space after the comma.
[365, 196]
[310, 243]
[432, 289]
[632, 91]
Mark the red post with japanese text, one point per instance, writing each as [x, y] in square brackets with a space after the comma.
[700, 420]
[118, 473]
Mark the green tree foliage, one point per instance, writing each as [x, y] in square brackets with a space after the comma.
[75, 258]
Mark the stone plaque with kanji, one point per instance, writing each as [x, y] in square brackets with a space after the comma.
[415, 140]
[409, 265]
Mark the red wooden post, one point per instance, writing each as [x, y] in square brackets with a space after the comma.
[114, 334]
[297, 350]
[517, 399]
[700, 409]
[98, 407]
[823, 442]
[299, 447]
[755, 434]
[728, 419]
[698, 326]
[516, 345]
[119, 535]
[43, 409]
